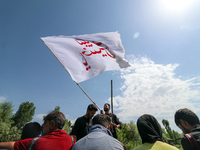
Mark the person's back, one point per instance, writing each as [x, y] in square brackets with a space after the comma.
[57, 139]
[155, 146]
[191, 141]
[99, 137]
[151, 134]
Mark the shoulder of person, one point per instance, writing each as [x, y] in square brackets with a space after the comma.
[196, 130]
[79, 119]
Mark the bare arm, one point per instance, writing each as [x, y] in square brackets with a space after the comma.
[7, 145]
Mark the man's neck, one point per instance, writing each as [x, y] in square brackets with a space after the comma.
[107, 112]
[86, 116]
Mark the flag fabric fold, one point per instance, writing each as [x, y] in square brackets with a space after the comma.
[86, 56]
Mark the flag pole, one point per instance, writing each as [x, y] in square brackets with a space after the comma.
[87, 95]
[112, 101]
[112, 96]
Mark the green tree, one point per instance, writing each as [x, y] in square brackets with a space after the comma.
[129, 135]
[24, 114]
[7, 132]
[67, 126]
[57, 108]
[6, 109]
[170, 136]
[168, 129]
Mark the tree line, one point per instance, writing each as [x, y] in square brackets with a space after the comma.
[130, 137]
[11, 125]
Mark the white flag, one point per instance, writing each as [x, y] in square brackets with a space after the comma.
[86, 56]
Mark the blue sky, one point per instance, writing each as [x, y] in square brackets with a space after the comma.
[161, 42]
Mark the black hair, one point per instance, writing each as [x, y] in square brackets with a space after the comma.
[186, 115]
[92, 107]
[107, 104]
[57, 117]
[31, 130]
[101, 119]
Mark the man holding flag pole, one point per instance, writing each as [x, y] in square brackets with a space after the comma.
[115, 121]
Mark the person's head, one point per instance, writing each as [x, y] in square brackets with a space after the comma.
[54, 120]
[102, 119]
[106, 107]
[31, 130]
[91, 110]
[186, 120]
[149, 129]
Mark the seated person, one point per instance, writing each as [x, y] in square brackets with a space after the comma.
[31, 130]
[151, 134]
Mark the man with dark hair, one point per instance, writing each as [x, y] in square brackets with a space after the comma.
[189, 123]
[115, 120]
[99, 136]
[82, 124]
[54, 137]
[31, 130]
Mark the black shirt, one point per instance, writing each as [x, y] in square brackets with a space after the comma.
[186, 143]
[81, 127]
[115, 120]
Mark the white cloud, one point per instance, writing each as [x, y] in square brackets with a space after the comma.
[40, 116]
[152, 88]
[2, 99]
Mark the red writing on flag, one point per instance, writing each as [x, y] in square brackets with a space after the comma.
[102, 50]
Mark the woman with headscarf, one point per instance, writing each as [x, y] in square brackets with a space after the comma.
[151, 134]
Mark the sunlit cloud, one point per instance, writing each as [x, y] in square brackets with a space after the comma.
[40, 116]
[153, 88]
[2, 99]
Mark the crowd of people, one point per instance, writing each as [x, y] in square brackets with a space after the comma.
[98, 132]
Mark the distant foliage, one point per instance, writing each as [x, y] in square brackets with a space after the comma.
[129, 135]
[9, 133]
[11, 124]
[24, 114]
[67, 126]
[170, 136]
[57, 108]
[6, 109]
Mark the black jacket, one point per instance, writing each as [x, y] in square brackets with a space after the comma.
[187, 141]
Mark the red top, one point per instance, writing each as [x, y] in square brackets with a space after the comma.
[57, 140]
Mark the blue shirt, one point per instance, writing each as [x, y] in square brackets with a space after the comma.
[99, 138]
